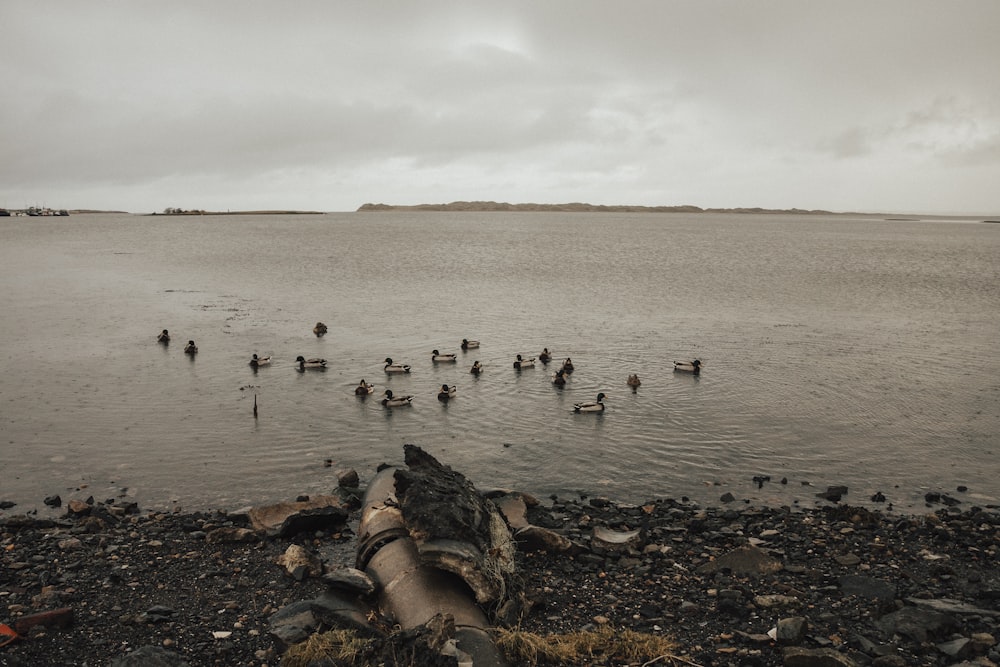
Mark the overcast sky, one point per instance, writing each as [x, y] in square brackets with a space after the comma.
[883, 106]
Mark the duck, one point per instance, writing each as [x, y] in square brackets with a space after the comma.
[591, 406]
[257, 362]
[164, 337]
[391, 401]
[469, 344]
[476, 369]
[437, 356]
[390, 367]
[363, 388]
[545, 356]
[446, 392]
[524, 363]
[319, 329]
[688, 366]
[559, 379]
[310, 363]
[567, 366]
[633, 380]
[190, 348]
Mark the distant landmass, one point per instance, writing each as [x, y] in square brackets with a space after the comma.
[577, 207]
[180, 211]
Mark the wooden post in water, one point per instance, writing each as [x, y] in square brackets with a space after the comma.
[255, 406]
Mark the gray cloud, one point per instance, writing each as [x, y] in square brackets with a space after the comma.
[324, 105]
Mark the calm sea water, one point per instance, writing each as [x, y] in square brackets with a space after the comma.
[836, 351]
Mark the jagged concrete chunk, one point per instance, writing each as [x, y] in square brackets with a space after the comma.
[300, 562]
[535, 538]
[338, 611]
[350, 580]
[607, 538]
[289, 518]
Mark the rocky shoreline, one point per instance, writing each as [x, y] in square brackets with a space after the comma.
[109, 584]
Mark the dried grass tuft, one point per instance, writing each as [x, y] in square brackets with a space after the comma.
[530, 649]
[341, 646]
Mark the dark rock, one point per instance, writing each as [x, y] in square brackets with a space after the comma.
[53, 501]
[744, 560]
[727, 497]
[791, 631]
[959, 648]
[293, 623]
[348, 479]
[156, 614]
[833, 493]
[920, 625]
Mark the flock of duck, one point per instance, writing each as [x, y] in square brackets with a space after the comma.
[446, 392]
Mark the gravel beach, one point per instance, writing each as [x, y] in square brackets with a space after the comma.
[108, 583]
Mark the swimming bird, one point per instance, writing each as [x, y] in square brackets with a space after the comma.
[520, 362]
[469, 344]
[591, 406]
[395, 368]
[319, 329]
[446, 392]
[190, 348]
[363, 388]
[559, 379]
[476, 369]
[633, 380]
[391, 401]
[164, 337]
[437, 356]
[567, 366]
[315, 363]
[257, 362]
[545, 357]
[688, 366]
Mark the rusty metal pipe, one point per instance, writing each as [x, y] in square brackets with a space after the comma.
[412, 593]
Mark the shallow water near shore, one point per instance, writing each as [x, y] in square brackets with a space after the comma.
[837, 351]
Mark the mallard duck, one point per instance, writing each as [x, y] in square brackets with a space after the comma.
[190, 348]
[688, 366]
[446, 392]
[469, 344]
[164, 337]
[567, 366]
[591, 406]
[437, 356]
[633, 380]
[319, 329]
[363, 389]
[310, 363]
[476, 369]
[257, 362]
[395, 368]
[520, 362]
[545, 357]
[559, 379]
[391, 401]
